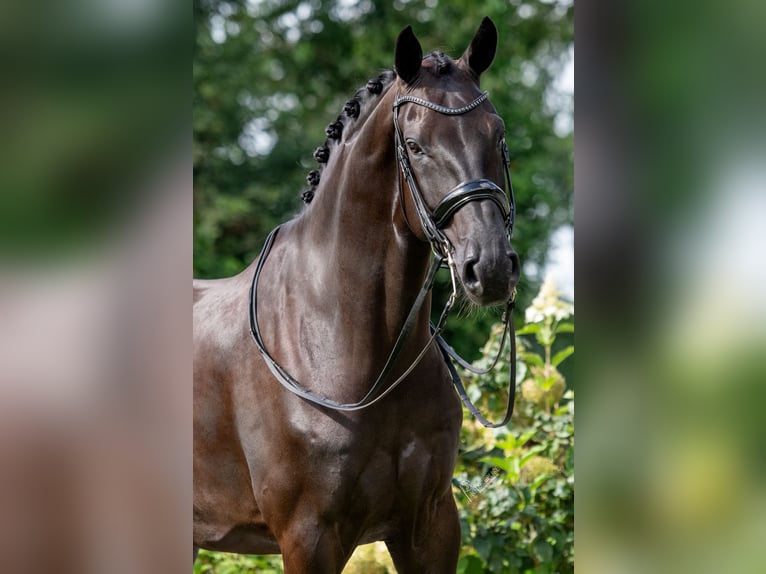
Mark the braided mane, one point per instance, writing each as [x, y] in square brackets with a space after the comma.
[357, 107]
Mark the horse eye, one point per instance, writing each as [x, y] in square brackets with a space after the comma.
[413, 146]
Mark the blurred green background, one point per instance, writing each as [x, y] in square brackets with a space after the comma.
[671, 197]
[94, 106]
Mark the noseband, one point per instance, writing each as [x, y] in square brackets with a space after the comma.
[432, 224]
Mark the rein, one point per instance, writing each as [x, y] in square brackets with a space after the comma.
[376, 392]
[462, 194]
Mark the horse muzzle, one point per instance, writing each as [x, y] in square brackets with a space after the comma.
[486, 264]
[488, 272]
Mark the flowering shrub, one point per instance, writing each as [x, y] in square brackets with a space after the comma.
[515, 486]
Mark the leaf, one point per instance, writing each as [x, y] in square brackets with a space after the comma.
[529, 329]
[565, 328]
[542, 550]
[561, 355]
[483, 547]
[525, 436]
[508, 443]
[531, 359]
[532, 452]
[470, 564]
[539, 480]
[501, 463]
[497, 561]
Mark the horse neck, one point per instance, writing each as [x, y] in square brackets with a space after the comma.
[356, 229]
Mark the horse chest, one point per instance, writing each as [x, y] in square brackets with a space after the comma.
[343, 459]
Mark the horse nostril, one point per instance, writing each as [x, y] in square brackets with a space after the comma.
[470, 279]
[515, 267]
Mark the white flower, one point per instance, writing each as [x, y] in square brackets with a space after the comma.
[548, 303]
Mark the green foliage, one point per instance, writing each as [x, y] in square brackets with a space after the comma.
[225, 563]
[515, 486]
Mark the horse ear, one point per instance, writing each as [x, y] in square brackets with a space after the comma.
[409, 55]
[481, 52]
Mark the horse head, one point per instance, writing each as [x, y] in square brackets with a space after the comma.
[451, 145]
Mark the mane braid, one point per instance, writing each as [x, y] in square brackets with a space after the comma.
[444, 63]
[357, 107]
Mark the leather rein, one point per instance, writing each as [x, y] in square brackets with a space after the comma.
[442, 249]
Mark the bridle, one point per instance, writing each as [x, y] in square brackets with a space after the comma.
[460, 195]
[432, 224]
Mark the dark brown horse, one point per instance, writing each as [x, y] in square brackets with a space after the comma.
[279, 471]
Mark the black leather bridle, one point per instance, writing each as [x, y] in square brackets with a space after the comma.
[432, 224]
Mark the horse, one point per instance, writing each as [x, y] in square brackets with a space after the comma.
[296, 450]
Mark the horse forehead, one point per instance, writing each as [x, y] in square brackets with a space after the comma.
[440, 68]
[475, 125]
[451, 94]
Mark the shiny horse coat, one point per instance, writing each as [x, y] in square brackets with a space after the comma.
[275, 473]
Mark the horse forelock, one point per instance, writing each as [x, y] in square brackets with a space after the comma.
[443, 64]
[355, 111]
